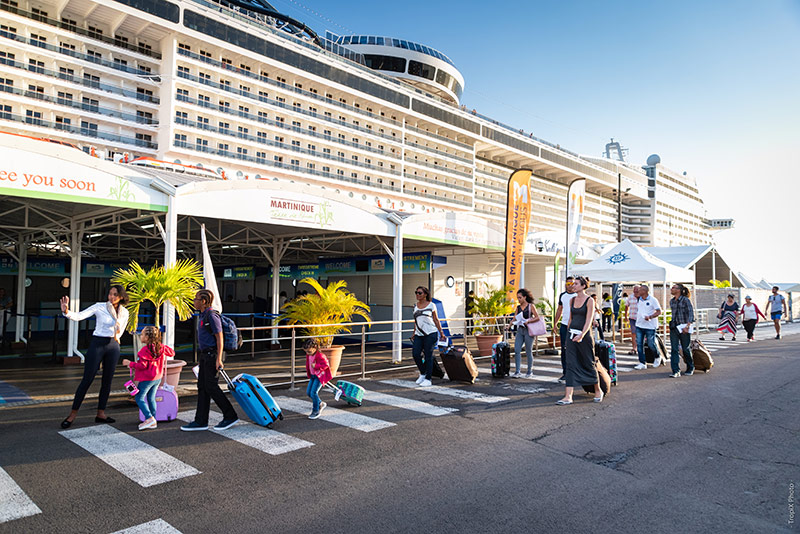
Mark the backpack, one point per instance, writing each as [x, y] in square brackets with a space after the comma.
[231, 337]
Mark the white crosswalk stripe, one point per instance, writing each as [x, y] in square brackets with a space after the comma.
[157, 526]
[450, 392]
[540, 378]
[260, 438]
[334, 415]
[406, 404]
[14, 503]
[142, 463]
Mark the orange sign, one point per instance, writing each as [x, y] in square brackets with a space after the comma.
[518, 218]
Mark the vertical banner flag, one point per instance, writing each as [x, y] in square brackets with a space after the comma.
[576, 200]
[518, 218]
[209, 280]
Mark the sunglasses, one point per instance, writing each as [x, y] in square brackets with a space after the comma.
[419, 292]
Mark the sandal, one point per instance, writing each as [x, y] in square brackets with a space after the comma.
[563, 402]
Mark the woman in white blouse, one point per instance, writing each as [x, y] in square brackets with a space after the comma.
[111, 319]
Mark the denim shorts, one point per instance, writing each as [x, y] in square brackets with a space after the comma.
[777, 315]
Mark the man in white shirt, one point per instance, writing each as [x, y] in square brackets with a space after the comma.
[563, 312]
[647, 309]
[776, 308]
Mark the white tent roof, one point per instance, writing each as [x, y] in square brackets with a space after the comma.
[627, 262]
[680, 256]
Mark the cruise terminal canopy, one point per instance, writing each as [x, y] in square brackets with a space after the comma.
[628, 262]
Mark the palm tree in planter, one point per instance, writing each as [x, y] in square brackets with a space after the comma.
[331, 307]
[487, 312]
[175, 285]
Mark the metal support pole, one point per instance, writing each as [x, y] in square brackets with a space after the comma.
[75, 288]
[55, 338]
[22, 274]
[363, 351]
[294, 347]
[619, 207]
[397, 295]
[170, 258]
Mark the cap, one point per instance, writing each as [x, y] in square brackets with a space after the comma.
[748, 297]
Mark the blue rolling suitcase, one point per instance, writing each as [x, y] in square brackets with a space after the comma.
[254, 399]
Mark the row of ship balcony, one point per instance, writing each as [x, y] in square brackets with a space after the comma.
[83, 131]
[279, 124]
[115, 41]
[263, 140]
[86, 81]
[321, 98]
[68, 102]
[38, 43]
[283, 105]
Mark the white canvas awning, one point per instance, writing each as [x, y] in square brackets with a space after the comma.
[627, 262]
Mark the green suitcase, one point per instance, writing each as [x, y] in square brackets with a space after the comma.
[351, 393]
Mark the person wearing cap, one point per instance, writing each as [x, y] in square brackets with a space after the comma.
[727, 317]
[750, 313]
[776, 307]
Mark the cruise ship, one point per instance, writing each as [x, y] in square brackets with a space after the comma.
[236, 90]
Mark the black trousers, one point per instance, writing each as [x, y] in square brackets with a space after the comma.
[750, 326]
[103, 350]
[208, 388]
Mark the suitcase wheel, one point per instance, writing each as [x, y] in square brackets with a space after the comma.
[269, 425]
[280, 416]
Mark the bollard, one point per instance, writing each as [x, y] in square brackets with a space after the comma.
[363, 352]
[291, 386]
[253, 337]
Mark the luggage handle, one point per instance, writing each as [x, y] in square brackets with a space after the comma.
[227, 379]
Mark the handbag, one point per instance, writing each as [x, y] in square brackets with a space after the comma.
[537, 328]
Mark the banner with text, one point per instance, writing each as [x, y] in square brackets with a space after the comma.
[518, 218]
[576, 200]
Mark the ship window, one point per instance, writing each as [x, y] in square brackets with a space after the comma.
[159, 8]
[377, 62]
[371, 40]
[423, 70]
[362, 39]
[380, 41]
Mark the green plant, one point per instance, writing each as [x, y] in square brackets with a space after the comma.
[176, 285]
[720, 284]
[332, 305]
[489, 309]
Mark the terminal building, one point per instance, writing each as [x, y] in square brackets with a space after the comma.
[231, 94]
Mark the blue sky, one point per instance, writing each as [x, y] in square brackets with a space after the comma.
[713, 87]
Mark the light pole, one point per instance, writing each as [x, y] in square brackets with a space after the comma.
[619, 206]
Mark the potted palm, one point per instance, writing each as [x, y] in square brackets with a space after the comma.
[324, 315]
[175, 285]
[488, 312]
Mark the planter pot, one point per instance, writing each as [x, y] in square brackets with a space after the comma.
[485, 342]
[174, 368]
[334, 355]
[71, 360]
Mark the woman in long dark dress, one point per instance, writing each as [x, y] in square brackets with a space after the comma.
[581, 370]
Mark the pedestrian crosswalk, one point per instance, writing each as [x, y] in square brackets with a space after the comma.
[131, 455]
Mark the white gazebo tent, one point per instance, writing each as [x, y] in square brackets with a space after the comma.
[627, 262]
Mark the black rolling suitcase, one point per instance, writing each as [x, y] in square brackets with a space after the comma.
[650, 357]
[459, 364]
[501, 359]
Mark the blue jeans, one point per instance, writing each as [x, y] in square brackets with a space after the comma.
[314, 385]
[641, 334]
[146, 398]
[679, 341]
[523, 337]
[423, 345]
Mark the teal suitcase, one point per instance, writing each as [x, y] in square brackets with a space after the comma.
[351, 393]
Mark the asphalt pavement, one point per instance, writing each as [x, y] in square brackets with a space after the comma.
[713, 452]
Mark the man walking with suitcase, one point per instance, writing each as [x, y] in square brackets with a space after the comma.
[647, 311]
[680, 327]
[209, 338]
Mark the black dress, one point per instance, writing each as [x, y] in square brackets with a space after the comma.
[580, 356]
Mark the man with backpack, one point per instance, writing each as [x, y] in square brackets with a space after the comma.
[211, 345]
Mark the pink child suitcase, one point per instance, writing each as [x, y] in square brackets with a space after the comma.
[166, 405]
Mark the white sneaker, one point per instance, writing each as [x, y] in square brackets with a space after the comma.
[529, 376]
[425, 383]
[640, 366]
[150, 423]
[517, 375]
[657, 362]
[322, 406]
[420, 379]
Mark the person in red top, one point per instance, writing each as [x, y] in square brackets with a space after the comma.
[149, 370]
[750, 313]
[318, 371]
